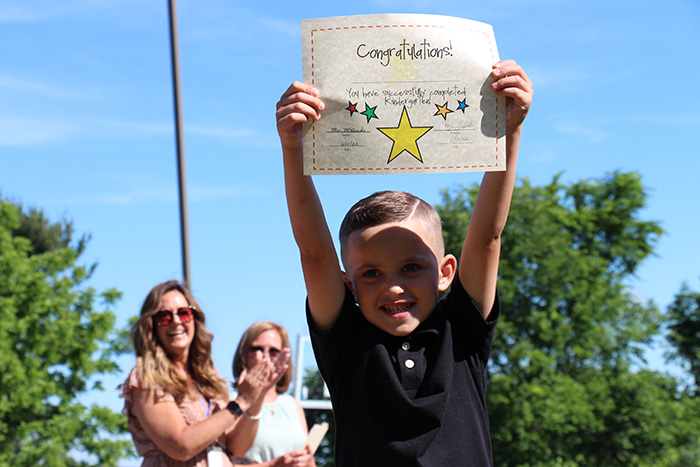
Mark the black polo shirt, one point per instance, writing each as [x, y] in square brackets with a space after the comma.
[418, 400]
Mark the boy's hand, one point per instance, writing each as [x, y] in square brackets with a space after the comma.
[513, 83]
[478, 266]
[296, 106]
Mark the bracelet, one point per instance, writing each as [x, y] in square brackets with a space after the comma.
[253, 417]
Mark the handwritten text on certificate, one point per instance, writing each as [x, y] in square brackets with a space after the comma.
[403, 94]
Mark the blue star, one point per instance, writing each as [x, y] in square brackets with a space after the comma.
[462, 104]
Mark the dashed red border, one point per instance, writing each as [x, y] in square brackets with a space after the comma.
[395, 169]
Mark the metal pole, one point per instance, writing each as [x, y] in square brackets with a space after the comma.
[180, 143]
[322, 404]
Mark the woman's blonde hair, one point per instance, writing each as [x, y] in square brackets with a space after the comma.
[246, 342]
[153, 365]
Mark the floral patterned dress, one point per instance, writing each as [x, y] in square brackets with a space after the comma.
[192, 410]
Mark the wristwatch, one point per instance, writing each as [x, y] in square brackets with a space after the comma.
[234, 408]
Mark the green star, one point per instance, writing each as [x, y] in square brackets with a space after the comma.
[369, 112]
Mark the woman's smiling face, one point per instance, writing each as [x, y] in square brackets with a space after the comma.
[177, 336]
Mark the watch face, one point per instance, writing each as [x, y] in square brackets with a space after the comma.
[234, 408]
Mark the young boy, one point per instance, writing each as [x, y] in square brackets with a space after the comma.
[407, 374]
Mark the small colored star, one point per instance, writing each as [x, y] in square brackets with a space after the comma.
[462, 104]
[405, 137]
[369, 112]
[351, 107]
[442, 110]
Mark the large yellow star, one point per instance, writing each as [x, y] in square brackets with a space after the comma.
[405, 137]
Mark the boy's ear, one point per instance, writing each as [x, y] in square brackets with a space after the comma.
[348, 282]
[448, 268]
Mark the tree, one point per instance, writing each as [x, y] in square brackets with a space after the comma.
[44, 234]
[684, 330]
[325, 455]
[563, 390]
[54, 345]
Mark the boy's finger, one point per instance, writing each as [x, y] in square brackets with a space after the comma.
[291, 115]
[301, 101]
[516, 87]
[507, 69]
[298, 86]
[290, 119]
[298, 91]
[298, 97]
[502, 74]
[307, 109]
[293, 88]
[511, 82]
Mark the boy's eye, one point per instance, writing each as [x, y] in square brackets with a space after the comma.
[371, 273]
[411, 267]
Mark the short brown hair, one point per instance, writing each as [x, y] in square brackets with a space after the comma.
[246, 342]
[384, 207]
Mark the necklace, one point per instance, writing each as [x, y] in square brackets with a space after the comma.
[271, 406]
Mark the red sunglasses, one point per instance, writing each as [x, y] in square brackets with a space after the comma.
[165, 317]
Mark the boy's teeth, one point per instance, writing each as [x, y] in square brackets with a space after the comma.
[399, 309]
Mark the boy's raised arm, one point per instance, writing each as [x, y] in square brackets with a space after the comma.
[319, 260]
[478, 266]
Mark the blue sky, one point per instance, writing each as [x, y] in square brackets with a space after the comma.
[86, 132]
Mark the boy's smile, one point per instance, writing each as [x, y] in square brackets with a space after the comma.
[395, 275]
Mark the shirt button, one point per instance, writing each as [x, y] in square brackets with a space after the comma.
[405, 346]
[409, 363]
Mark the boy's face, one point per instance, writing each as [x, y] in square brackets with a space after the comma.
[395, 274]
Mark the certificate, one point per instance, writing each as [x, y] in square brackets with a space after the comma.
[403, 94]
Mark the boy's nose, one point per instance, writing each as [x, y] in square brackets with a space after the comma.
[395, 288]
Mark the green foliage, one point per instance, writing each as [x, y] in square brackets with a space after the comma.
[54, 344]
[45, 235]
[563, 391]
[325, 455]
[565, 255]
[684, 330]
[599, 418]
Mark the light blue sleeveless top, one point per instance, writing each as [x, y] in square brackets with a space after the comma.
[280, 431]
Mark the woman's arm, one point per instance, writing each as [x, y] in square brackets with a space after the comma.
[166, 427]
[242, 436]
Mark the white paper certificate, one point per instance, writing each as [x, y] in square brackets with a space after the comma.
[403, 94]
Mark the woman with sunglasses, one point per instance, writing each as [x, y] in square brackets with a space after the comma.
[281, 437]
[177, 403]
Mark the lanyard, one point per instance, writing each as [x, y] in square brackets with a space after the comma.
[206, 409]
[215, 454]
